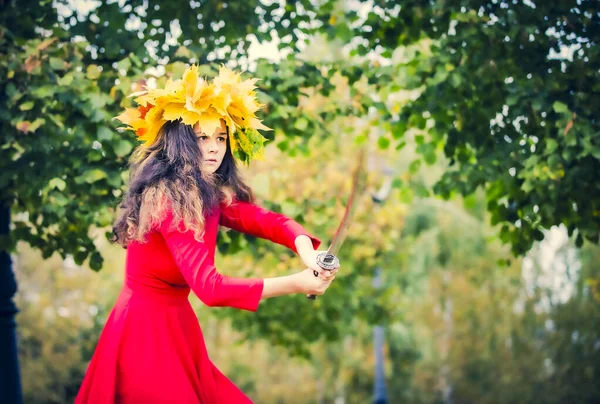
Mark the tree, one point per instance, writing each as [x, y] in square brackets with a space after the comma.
[512, 113]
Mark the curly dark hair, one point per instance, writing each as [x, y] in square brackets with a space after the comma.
[167, 174]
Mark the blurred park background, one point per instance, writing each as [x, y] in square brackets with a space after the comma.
[474, 246]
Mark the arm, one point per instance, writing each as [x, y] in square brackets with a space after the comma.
[197, 267]
[251, 219]
[214, 289]
[304, 244]
[302, 282]
[280, 286]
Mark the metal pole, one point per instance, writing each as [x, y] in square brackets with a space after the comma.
[379, 389]
[10, 380]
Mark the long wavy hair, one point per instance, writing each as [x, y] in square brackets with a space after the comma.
[168, 175]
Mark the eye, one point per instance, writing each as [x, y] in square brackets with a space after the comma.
[202, 137]
[222, 138]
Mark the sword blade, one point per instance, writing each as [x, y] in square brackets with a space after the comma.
[329, 260]
[357, 184]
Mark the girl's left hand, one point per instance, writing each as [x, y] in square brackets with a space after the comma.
[309, 258]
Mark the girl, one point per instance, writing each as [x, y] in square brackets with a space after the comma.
[184, 184]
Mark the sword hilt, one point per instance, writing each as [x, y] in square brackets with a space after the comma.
[328, 262]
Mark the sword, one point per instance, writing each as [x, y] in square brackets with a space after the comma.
[329, 260]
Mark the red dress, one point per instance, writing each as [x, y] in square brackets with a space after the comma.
[152, 349]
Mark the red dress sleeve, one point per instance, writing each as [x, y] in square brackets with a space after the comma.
[251, 219]
[196, 264]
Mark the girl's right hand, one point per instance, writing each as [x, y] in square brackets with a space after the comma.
[309, 284]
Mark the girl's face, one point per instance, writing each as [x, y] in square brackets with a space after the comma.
[213, 147]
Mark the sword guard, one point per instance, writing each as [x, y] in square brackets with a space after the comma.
[328, 261]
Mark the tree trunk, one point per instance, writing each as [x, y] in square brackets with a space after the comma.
[10, 381]
[379, 387]
[445, 383]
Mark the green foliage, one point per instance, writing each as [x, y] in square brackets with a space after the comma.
[204, 27]
[509, 118]
[62, 160]
[513, 118]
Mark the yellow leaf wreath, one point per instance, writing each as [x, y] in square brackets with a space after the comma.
[196, 101]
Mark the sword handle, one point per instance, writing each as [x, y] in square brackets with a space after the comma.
[326, 261]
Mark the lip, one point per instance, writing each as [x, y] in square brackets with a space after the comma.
[210, 161]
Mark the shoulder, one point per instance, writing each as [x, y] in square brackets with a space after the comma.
[166, 221]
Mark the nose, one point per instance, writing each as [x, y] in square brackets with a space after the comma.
[212, 146]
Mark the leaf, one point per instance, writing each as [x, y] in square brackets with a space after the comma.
[66, 80]
[344, 32]
[124, 64]
[46, 43]
[93, 72]
[398, 130]
[361, 139]
[184, 52]
[57, 64]
[103, 134]
[551, 145]
[98, 101]
[122, 147]
[80, 255]
[59, 199]
[283, 145]
[92, 176]
[301, 124]
[36, 124]
[560, 108]
[96, 261]
[56, 119]
[57, 183]
[406, 195]
[114, 180]
[23, 126]
[29, 127]
[414, 166]
[43, 92]
[569, 125]
[421, 191]
[512, 99]
[26, 106]
[400, 145]
[32, 63]
[383, 142]
[430, 155]
[527, 186]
